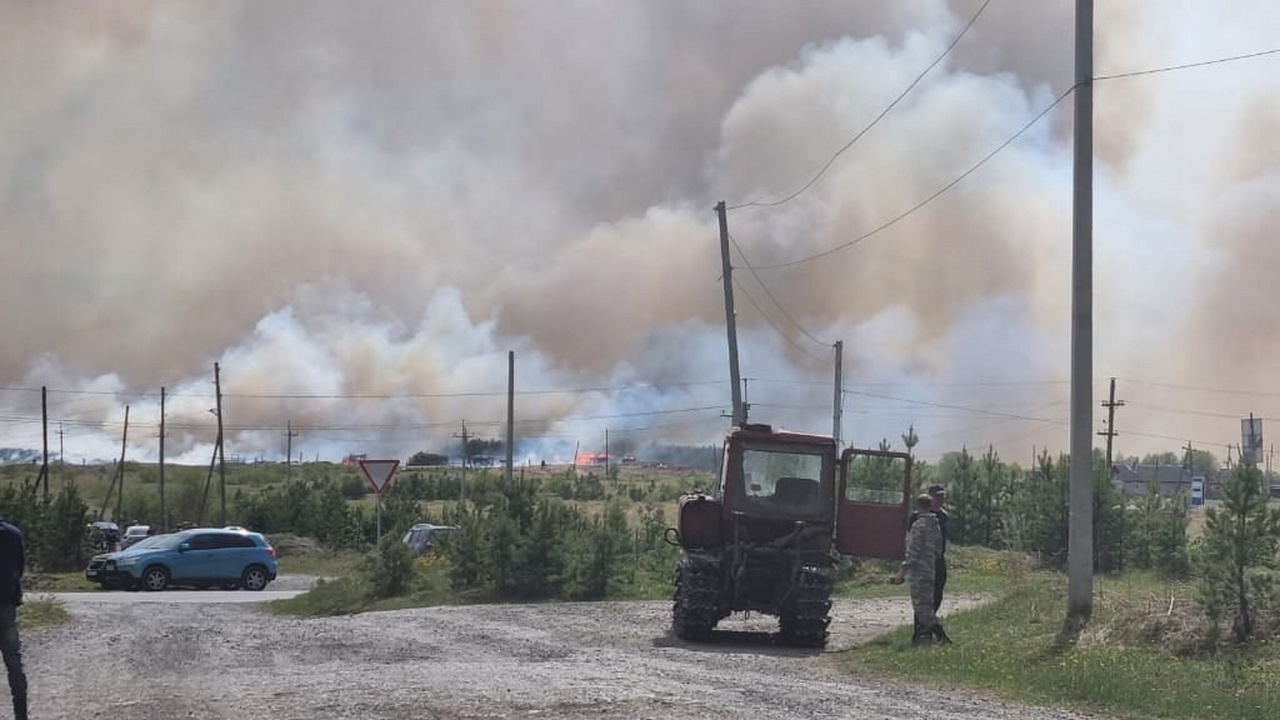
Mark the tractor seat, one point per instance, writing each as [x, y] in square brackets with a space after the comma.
[795, 490]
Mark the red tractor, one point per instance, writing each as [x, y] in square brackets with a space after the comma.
[767, 539]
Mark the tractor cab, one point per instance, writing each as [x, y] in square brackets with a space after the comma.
[775, 484]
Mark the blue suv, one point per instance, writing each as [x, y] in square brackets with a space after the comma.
[194, 558]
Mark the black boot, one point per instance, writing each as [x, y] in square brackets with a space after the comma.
[20, 708]
[941, 634]
[920, 634]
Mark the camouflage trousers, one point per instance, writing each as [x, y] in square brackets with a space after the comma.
[922, 601]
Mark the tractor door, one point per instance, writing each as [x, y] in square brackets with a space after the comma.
[875, 502]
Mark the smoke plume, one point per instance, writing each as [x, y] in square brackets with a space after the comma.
[359, 211]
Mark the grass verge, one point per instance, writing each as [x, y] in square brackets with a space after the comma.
[1011, 647]
[58, 582]
[41, 612]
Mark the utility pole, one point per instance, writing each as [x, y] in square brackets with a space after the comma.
[838, 412]
[124, 439]
[164, 515]
[44, 424]
[735, 377]
[1080, 525]
[466, 452]
[62, 457]
[606, 453]
[1110, 404]
[511, 410]
[289, 434]
[222, 456]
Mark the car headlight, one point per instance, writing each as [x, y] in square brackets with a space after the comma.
[125, 562]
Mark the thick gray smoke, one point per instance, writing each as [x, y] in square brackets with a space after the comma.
[382, 201]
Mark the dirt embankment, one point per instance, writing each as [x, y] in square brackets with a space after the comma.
[162, 661]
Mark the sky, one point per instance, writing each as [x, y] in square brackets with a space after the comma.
[357, 212]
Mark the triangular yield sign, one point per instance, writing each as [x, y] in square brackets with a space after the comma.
[379, 472]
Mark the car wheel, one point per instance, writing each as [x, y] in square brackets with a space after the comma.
[155, 579]
[254, 578]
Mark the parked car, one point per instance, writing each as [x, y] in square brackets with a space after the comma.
[202, 558]
[104, 536]
[425, 537]
[134, 533]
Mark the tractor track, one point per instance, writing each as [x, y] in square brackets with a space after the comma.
[165, 660]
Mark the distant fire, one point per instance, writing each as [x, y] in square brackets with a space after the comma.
[588, 458]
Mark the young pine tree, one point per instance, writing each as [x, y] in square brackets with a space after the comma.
[1240, 537]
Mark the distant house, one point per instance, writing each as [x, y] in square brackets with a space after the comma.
[1135, 480]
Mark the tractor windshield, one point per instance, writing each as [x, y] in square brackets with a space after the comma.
[788, 481]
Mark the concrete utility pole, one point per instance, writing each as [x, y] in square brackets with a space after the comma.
[735, 377]
[289, 434]
[1080, 524]
[838, 411]
[44, 424]
[164, 515]
[1110, 404]
[511, 413]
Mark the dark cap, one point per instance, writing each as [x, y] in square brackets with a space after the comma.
[937, 490]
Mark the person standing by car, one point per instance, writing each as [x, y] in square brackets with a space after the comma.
[13, 562]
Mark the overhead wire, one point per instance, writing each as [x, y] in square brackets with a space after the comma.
[936, 194]
[1186, 66]
[769, 320]
[822, 171]
[763, 286]
[1000, 148]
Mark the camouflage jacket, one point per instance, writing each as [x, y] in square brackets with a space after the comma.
[924, 545]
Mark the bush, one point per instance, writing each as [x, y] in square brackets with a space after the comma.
[393, 569]
[1238, 551]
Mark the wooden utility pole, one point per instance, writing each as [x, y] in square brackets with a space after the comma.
[466, 453]
[62, 457]
[124, 440]
[222, 457]
[289, 434]
[511, 413]
[837, 416]
[1110, 404]
[164, 513]
[606, 453]
[731, 324]
[1080, 525]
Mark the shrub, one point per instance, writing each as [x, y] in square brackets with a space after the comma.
[393, 569]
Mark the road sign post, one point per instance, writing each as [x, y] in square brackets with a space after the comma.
[379, 474]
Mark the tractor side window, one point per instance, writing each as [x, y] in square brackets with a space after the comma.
[875, 479]
[790, 478]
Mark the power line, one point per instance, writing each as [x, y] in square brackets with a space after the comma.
[856, 138]
[774, 325]
[1185, 66]
[920, 205]
[765, 287]
[1006, 143]
[383, 396]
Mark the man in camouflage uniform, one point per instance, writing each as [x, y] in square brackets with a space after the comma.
[924, 546]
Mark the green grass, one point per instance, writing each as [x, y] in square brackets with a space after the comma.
[970, 571]
[40, 613]
[353, 593]
[323, 564]
[59, 582]
[1011, 646]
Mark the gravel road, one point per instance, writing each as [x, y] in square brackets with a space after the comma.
[167, 659]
